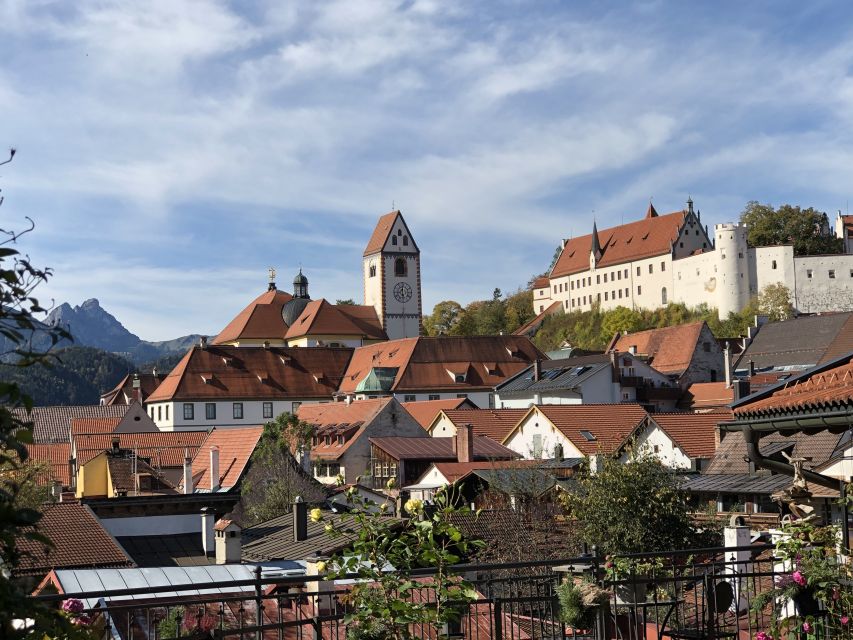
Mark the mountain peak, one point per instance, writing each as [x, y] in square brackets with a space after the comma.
[90, 304]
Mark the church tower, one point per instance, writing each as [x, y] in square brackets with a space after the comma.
[392, 277]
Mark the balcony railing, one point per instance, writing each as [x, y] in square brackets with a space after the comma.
[696, 594]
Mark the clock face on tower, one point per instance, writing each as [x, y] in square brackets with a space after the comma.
[402, 292]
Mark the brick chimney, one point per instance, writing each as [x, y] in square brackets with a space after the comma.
[464, 443]
[537, 370]
[137, 388]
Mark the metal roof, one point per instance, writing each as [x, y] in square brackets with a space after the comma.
[567, 373]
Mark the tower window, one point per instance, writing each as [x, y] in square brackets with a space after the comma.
[639, 290]
[663, 295]
[808, 273]
[372, 271]
[832, 273]
[400, 268]
[774, 264]
[405, 241]
[394, 240]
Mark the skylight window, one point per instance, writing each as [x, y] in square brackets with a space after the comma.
[588, 436]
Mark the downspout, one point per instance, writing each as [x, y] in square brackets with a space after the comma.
[755, 456]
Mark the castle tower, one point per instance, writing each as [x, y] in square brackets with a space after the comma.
[392, 277]
[732, 268]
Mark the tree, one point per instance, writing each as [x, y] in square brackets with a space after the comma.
[519, 309]
[444, 317]
[349, 301]
[807, 229]
[620, 319]
[19, 325]
[275, 477]
[774, 301]
[630, 507]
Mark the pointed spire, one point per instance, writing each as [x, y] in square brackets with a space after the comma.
[651, 212]
[596, 245]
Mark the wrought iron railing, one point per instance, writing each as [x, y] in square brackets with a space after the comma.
[685, 595]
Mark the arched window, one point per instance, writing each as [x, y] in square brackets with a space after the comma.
[394, 240]
[373, 271]
[400, 268]
[663, 296]
[405, 241]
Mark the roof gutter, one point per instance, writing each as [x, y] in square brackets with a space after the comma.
[755, 456]
[839, 421]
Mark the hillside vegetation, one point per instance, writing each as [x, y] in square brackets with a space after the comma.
[592, 330]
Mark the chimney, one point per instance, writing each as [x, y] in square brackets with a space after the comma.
[214, 469]
[116, 443]
[740, 389]
[188, 472]
[227, 541]
[348, 399]
[632, 349]
[537, 370]
[751, 368]
[558, 452]
[154, 371]
[137, 388]
[727, 364]
[300, 520]
[202, 342]
[207, 543]
[464, 443]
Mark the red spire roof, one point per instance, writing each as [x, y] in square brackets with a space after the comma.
[651, 212]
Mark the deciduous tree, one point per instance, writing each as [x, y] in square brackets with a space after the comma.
[807, 229]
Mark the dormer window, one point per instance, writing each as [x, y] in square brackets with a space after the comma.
[340, 439]
[459, 377]
[328, 440]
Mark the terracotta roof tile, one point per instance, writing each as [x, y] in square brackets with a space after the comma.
[56, 455]
[454, 471]
[495, 423]
[124, 389]
[53, 424]
[694, 433]
[533, 325]
[259, 320]
[542, 282]
[254, 373]
[610, 424]
[236, 446]
[632, 241]
[826, 387]
[380, 233]
[707, 395]
[337, 419]
[438, 449]
[79, 541]
[322, 318]
[427, 363]
[425, 411]
[670, 349]
[164, 448]
[94, 425]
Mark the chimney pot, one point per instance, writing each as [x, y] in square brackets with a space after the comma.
[214, 469]
[207, 543]
[202, 342]
[188, 472]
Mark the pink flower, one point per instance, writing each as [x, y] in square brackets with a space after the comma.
[845, 620]
[799, 578]
[81, 620]
[761, 635]
[807, 627]
[73, 605]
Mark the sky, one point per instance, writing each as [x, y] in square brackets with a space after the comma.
[170, 152]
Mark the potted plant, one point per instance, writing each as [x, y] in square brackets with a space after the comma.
[580, 602]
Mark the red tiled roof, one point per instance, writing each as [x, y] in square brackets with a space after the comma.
[454, 471]
[56, 455]
[610, 424]
[380, 233]
[94, 425]
[254, 373]
[707, 395]
[164, 448]
[236, 446]
[542, 282]
[437, 449]
[53, 424]
[259, 320]
[322, 318]
[124, 389]
[821, 388]
[632, 241]
[340, 419]
[694, 433]
[425, 411]
[670, 349]
[495, 423]
[427, 363]
[79, 539]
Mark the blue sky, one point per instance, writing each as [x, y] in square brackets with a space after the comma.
[170, 152]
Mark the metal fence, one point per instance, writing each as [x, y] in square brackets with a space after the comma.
[685, 595]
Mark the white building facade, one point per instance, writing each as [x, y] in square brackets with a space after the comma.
[672, 258]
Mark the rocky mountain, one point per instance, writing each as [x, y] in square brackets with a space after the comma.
[93, 326]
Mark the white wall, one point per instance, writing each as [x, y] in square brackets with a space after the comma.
[843, 468]
[819, 292]
[253, 413]
[522, 440]
[153, 525]
[654, 441]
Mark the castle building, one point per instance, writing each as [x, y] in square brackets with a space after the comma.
[661, 259]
